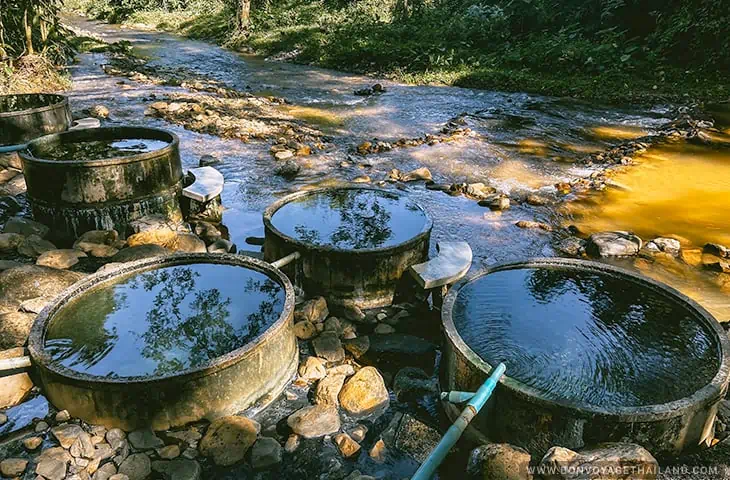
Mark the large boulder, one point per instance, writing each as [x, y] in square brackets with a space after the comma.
[364, 393]
[613, 244]
[31, 281]
[608, 461]
[25, 227]
[228, 439]
[499, 461]
[138, 253]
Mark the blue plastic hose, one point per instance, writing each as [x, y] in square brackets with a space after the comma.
[428, 468]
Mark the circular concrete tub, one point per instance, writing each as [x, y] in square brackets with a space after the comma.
[355, 242]
[253, 374]
[79, 194]
[25, 117]
[528, 416]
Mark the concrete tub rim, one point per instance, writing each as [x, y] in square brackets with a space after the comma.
[63, 102]
[36, 339]
[120, 132]
[303, 246]
[704, 396]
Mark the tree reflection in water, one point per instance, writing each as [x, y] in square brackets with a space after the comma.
[586, 336]
[169, 319]
[350, 218]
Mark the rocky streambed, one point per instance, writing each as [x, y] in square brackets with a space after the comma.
[500, 170]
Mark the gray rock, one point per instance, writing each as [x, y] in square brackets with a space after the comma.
[329, 347]
[717, 250]
[82, 447]
[25, 227]
[266, 453]
[145, 439]
[222, 246]
[14, 329]
[31, 281]
[666, 245]
[116, 438]
[571, 246]
[499, 461]
[613, 244]
[34, 246]
[289, 169]
[51, 469]
[105, 472]
[315, 421]
[178, 469]
[139, 252]
[136, 466]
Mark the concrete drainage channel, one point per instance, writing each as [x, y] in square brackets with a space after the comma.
[174, 341]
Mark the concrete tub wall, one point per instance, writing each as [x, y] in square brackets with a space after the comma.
[522, 416]
[20, 127]
[366, 278]
[254, 374]
[76, 196]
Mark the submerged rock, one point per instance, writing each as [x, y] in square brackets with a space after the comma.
[613, 244]
[266, 453]
[228, 439]
[364, 393]
[499, 461]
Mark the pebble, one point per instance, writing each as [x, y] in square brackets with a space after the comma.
[13, 467]
[66, 434]
[378, 451]
[41, 427]
[328, 346]
[292, 443]
[136, 466]
[347, 446]
[358, 433]
[63, 416]
[312, 369]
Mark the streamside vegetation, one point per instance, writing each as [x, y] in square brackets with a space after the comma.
[33, 45]
[618, 50]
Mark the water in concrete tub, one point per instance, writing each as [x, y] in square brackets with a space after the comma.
[585, 337]
[99, 149]
[162, 321]
[351, 219]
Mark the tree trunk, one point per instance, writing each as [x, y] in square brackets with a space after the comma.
[243, 13]
[28, 32]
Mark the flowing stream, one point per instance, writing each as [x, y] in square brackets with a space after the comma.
[519, 142]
